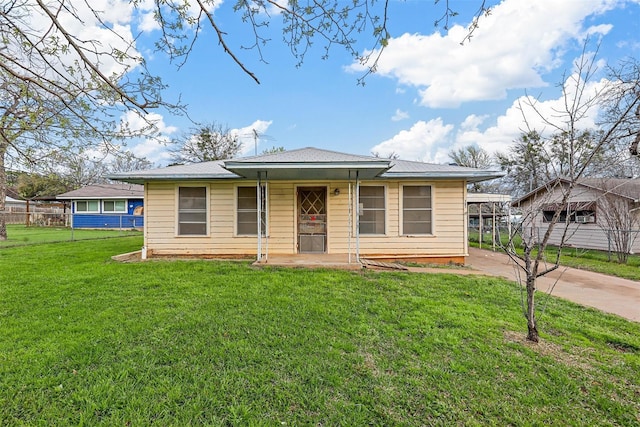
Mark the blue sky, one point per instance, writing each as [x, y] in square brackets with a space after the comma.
[430, 95]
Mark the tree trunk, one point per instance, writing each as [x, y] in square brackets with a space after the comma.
[3, 194]
[532, 327]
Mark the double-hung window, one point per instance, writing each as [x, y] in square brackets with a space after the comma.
[87, 206]
[416, 210]
[115, 206]
[372, 210]
[192, 211]
[247, 211]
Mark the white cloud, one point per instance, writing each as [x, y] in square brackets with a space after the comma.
[513, 47]
[400, 115]
[153, 148]
[135, 122]
[526, 113]
[472, 122]
[432, 141]
[97, 35]
[418, 143]
[251, 135]
[146, 21]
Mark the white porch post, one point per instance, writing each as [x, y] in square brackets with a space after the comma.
[357, 218]
[493, 226]
[266, 217]
[480, 225]
[350, 219]
[259, 219]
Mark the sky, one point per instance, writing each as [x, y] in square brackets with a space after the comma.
[430, 94]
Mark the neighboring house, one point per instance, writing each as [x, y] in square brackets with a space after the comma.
[308, 204]
[106, 206]
[597, 211]
[14, 205]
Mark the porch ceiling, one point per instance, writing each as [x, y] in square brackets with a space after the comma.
[308, 171]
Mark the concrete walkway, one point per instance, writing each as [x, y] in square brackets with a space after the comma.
[606, 293]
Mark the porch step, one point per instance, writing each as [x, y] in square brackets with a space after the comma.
[370, 263]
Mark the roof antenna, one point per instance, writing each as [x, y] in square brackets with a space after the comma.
[255, 141]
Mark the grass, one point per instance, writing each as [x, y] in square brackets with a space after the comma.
[88, 341]
[20, 235]
[586, 259]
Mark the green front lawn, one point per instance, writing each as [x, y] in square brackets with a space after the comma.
[20, 235]
[85, 341]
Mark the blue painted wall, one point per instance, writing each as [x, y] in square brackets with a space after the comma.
[110, 220]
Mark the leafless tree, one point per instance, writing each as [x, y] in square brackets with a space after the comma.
[618, 100]
[619, 219]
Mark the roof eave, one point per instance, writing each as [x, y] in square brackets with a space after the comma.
[141, 179]
[124, 196]
[470, 177]
[309, 170]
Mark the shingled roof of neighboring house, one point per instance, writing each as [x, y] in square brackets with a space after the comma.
[105, 191]
[624, 187]
[309, 163]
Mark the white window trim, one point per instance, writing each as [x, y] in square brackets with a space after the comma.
[126, 204]
[235, 210]
[401, 209]
[207, 190]
[386, 209]
[75, 207]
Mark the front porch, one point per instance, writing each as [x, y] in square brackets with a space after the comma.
[311, 260]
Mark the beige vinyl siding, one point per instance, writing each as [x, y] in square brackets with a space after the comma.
[448, 221]
[281, 217]
[448, 224]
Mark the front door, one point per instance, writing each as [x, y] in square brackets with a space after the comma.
[312, 220]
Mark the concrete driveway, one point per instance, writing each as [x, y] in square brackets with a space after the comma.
[606, 293]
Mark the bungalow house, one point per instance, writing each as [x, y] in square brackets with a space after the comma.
[116, 205]
[597, 212]
[309, 201]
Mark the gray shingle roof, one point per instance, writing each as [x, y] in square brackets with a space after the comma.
[105, 191]
[308, 155]
[624, 187]
[629, 188]
[204, 170]
[397, 169]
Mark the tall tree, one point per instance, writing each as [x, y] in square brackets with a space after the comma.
[33, 185]
[206, 143]
[527, 163]
[473, 156]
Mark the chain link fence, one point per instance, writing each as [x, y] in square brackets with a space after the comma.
[616, 243]
[27, 228]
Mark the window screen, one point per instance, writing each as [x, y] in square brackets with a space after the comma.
[192, 211]
[416, 209]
